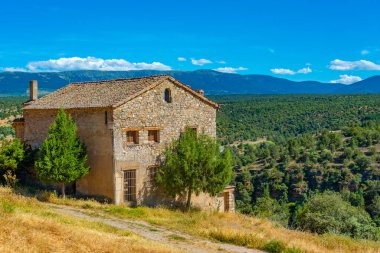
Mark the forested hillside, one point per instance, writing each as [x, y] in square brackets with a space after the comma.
[278, 117]
[319, 167]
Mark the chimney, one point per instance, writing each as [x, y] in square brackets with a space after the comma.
[202, 92]
[33, 90]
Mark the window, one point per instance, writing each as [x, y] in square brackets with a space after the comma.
[132, 137]
[168, 95]
[154, 136]
[105, 117]
[130, 185]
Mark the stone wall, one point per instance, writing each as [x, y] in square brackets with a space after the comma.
[93, 132]
[150, 110]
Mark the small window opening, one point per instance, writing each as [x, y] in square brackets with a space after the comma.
[154, 136]
[105, 117]
[132, 137]
[168, 95]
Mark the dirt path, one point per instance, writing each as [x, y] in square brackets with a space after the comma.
[172, 238]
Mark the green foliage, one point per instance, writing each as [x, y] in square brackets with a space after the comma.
[11, 155]
[362, 163]
[243, 192]
[7, 207]
[329, 213]
[194, 164]
[6, 131]
[11, 106]
[279, 117]
[62, 157]
[272, 209]
[374, 209]
[272, 183]
[274, 246]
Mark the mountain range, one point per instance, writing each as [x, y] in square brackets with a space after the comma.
[212, 82]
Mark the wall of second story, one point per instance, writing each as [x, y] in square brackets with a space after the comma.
[95, 132]
[152, 113]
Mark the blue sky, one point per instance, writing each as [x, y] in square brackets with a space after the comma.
[296, 39]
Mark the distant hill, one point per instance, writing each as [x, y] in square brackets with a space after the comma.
[213, 82]
[369, 85]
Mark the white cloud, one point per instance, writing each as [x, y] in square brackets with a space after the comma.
[230, 69]
[221, 62]
[282, 71]
[353, 65]
[13, 69]
[364, 52]
[305, 70]
[346, 79]
[200, 62]
[90, 63]
[181, 59]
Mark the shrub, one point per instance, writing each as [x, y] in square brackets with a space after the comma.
[272, 209]
[274, 246]
[329, 213]
[47, 196]
[11, 155]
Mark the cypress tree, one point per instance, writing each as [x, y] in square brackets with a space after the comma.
[62, 158]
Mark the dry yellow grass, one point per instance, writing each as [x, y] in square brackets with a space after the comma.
[29, 226]
[233, 228]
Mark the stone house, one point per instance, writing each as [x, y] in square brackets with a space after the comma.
[125, 124]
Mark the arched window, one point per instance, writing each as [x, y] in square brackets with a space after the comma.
[168, 95]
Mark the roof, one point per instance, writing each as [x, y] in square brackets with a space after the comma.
[109, 93]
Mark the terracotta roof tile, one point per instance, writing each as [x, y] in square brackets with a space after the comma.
[108, 93]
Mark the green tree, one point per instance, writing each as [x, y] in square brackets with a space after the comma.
[194, 164]
[374, 210]
[11, 155]
[62, 157]
[362, 163]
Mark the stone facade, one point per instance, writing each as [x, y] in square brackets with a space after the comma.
[93, 132]
[125, 142]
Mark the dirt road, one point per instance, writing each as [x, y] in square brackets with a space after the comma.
[166, 236]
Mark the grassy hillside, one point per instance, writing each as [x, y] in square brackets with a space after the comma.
[30, 226]
[28, 217]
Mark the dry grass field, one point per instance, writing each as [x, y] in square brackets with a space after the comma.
[230, 228]
[30, 226]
